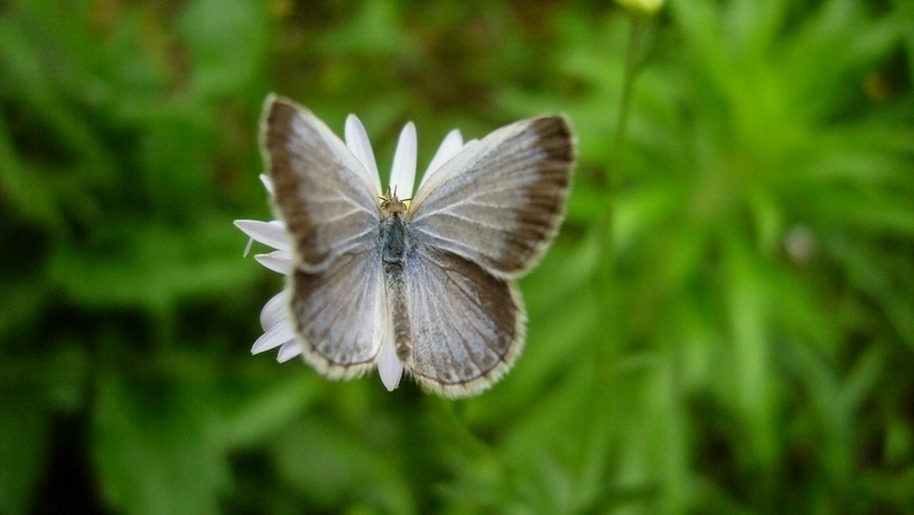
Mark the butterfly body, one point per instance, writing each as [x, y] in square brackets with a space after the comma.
[395, 242]
[429, 286]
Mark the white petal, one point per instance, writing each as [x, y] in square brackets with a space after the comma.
[267, 183]
[276, 336]
[389, 367]
[279, 261]
[289, 350]
[403, 175]
[449, 148]
[271, 233]
[274, 311]
[358, 143]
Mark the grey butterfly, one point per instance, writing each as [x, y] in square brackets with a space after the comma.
[428, 283]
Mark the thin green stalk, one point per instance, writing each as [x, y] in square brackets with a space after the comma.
[637, 36]
[608, 343]
[638, 31]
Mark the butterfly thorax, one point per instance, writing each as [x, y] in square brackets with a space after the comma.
[393, 234]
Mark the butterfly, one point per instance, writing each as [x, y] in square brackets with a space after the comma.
[427, 283]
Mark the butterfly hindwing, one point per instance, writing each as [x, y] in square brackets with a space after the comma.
[341, 313]
[466, 326]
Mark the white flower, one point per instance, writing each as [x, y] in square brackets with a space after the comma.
[278, 329]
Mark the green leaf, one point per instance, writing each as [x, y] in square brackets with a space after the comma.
[265, 414]
[337, 470]
[155, 448]
[227, 42]
[152, 266]
[24, 432]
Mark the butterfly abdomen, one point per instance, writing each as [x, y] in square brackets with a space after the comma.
[395, 244]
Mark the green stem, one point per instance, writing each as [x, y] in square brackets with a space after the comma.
[636, 34]
[638, 31]
[608, 289]
[609, 348]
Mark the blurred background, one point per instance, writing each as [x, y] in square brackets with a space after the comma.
[724, 325]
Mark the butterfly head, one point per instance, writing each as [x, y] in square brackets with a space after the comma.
[391, 205]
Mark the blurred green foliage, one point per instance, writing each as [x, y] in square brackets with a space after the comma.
[725, 325]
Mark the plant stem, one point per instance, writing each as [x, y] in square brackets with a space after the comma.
[638, 30]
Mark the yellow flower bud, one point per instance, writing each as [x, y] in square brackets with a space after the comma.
[648, 7]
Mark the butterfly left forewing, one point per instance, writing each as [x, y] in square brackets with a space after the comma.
[322, 192]
[499, 202]
[466, 326]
